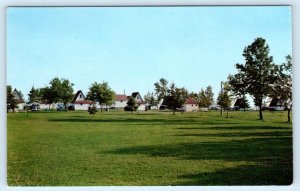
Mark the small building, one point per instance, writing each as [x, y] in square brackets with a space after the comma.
[120, 101]
[276, 104]
[45, 106]
[190, 105]
[20, 102]
[79, 101]
[139, 101]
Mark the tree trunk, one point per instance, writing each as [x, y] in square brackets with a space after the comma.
[173, 112]
[289, 112]
[260, 110]
[65, 104]
[227, 114]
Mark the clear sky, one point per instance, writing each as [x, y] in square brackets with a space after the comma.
[133, 47]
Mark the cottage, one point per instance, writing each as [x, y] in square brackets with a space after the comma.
[190, 105]
[79, 101]
[19, 99]
[139, 101]
[276, 104]
[120, 101]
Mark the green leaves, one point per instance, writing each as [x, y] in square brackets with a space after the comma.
[101, 93]
[256, 76]
[206, 97]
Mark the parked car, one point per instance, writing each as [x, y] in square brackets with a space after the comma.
[35, 107]
[60, 107]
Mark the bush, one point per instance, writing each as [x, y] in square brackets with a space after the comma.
[92, 110]
[127, 108]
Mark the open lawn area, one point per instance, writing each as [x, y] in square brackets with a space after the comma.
[149, 148]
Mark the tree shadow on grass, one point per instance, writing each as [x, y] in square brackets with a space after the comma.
[240, 134]
[268, 174]
[252, 149]
[273, 156]
[236, 126]
[130, 120]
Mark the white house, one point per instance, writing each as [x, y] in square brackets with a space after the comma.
[120, 101]
[45, 106]
[139, 101]
[79, 101]
[190, 105]
[20, 102]
[276, 104]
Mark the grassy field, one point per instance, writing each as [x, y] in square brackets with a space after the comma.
[149, 148]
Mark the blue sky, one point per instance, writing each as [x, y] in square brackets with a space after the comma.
[133, 47]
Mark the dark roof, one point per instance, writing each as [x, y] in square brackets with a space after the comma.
[18, 96]
[121, 98]
[191, 100]
[135, 94]
[82, 102]
[238, 102]
[76, 95]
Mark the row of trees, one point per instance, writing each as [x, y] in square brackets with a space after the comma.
[61, 91]
[174, 97]
[258, 77]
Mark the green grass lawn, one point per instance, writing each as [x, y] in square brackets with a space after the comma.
[149, 148]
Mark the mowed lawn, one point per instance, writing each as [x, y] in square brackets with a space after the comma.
[149, 148]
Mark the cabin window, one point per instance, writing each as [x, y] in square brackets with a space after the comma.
[80, 95]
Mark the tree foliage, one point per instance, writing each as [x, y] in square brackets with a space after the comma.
[283, 86]
[175, 97]
[34, 95]
[151, 99]
[224, 99]
[92, 110]
[101, 93]
[206, 97]
[257, 75]
[161, 88]
[61, 90]
[11, 102]
[46, 95]
[131, 104]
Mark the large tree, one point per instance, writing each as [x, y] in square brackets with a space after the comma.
[61, 90]
[175, 97]
[283, 86]
[161, 88]
[46, 96]
[206, 97]
[257, 75]
[151, 100]
[101, 93]
[224, 100]
[11, 102]
[34, 95]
